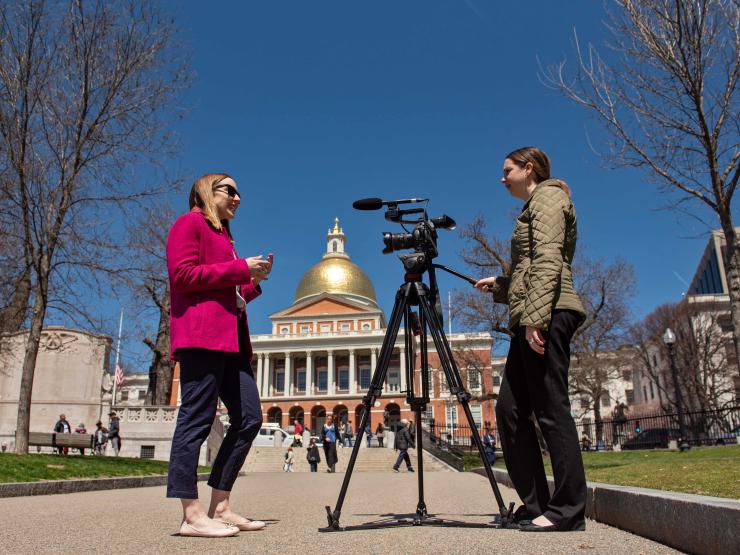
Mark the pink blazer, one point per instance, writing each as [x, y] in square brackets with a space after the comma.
[204, 272]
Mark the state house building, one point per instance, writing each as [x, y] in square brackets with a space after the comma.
[322, 352]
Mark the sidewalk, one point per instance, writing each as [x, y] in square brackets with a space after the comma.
[143, 521]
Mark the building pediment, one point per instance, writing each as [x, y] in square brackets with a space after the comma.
[325, 304]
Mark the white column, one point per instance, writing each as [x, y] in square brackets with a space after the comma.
[402, 360]
[352, 373]
[309, 373]
[330, 389]
[260, 372]
[268, 375]
[288, 375]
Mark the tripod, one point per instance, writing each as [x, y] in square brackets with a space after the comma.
[415, 293]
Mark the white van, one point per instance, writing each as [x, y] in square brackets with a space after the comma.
[266, 437]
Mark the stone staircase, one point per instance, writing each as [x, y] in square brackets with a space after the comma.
[271, 459]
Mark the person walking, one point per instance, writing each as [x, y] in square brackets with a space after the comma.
[380, 434]
[210, 286]
[329, 436]
[544, 313]
[369, 434]
[288, 466]
[312, 455]
[114, 433]
[403, 444]
[489, 446]
[62, 427]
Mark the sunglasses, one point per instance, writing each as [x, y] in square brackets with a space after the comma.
[230, 190]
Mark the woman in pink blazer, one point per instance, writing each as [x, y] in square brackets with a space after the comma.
[210, 287]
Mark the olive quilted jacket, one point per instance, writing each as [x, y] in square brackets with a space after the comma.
[542, 249]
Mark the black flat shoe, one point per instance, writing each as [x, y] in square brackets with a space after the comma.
[535, 528]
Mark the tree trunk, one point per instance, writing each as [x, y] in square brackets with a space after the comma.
[13, 315]
[29, 367]
[597, 420]
[733, 287]
[162, 367]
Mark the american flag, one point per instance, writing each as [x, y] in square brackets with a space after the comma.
[119, 375]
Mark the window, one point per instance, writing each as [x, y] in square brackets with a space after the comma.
[473, 378]
[629, 395]
[345, 327]
[429, 414]
[305, 329]
[280, 381]
[430, 382]
[325, 328]
[655, 362]
[365, 378]
[477, 413]
[301, 379]
[497, 381]
[644, 393]
[284, 331]
[584, 403]
[322, 379]
[334, 246]
[451, 416]
[605, 399]
[652, 391]
[366, 326]
[627, 375]
[124, 395]
[147, 452]
[394, 382]
[343, 378]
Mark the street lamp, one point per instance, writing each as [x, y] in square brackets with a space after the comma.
[669, 338]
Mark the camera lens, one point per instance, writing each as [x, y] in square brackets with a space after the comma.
[397, 241]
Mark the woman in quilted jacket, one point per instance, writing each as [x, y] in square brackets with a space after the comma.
[544, 313]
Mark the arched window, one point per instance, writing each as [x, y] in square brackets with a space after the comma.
[334, 246]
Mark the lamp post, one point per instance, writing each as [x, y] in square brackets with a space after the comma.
[669, 338]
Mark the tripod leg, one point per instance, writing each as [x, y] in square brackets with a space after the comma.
[375, 391]
[421, 507]
[454, 380]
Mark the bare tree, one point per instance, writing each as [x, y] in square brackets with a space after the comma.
[148, 284]
[605, 290]
[83, 85]
[669, 101]
[702, 351]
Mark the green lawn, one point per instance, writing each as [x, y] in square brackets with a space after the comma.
[711, 471]
[33, 468]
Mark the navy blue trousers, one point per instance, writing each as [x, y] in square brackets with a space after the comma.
[538, 384]
[204, 377]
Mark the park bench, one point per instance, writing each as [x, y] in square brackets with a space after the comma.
[54, 439]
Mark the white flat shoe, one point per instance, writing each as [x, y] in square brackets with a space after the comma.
[191, 531]
[245, 525]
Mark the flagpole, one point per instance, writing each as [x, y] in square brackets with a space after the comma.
[115, 367]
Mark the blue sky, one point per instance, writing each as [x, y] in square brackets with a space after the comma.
[311, 105]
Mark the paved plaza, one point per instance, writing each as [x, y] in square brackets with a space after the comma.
[144, 521]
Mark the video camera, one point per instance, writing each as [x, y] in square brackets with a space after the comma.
[422, 239]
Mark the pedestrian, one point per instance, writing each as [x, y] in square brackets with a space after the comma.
[544, 313]
[403, 444]
[100, 438]
[489, 446]
[114, 432]
[62, 427]
[81, 429]
[312, 455]
[349, 435]
[380, 434]
[342, 434]
[368, 434]
[210, 287]
[329, 436]
[288, 465]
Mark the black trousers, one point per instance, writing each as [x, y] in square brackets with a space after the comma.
[204, 377]
[330, 454]
[538, 384]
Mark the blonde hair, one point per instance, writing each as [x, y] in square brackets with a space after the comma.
[540, 164]
[201, 195]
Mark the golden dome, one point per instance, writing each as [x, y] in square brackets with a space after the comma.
[336, 274]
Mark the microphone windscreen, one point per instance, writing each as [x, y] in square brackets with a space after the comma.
[368, 204]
